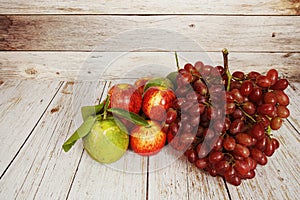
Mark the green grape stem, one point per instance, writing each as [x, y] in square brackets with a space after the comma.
[177, 62]
[246, 114]
[226, 68]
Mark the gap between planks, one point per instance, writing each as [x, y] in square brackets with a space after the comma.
[35, 125]
[266, 7]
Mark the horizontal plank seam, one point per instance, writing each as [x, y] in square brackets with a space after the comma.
[87, 51]
[38, 121]
[150, 14]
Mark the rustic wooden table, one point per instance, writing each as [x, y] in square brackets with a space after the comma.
[44, 80]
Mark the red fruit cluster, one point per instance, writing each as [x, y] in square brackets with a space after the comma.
[153, 103]
[224, 121]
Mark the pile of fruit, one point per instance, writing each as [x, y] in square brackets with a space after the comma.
[221, 122]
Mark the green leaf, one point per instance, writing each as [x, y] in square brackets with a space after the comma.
[159, 81]
[87, 111]
[138, 120]
[82, 131]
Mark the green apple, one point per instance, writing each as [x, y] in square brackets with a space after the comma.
[106, 142]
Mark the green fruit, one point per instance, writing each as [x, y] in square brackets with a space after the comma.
[160, 81]
[106, 142]
[172, 77]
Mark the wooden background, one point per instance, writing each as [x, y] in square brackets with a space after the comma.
[44, 81]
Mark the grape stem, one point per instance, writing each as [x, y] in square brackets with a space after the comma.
[226, 68]
[246, 114]
[269, 130]
[177, 62]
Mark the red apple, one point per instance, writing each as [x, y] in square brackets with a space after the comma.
[147, 140]
[156, 101]
[125, 96]
[140, 84]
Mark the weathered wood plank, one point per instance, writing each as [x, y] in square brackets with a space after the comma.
[90, 66]
[42, 169]
[279, 179]
[203, 186]
[169, 182]
[294, 94]
[211, 33]
[277, 7]
[172, 177]
[125, 179]
[22, 103]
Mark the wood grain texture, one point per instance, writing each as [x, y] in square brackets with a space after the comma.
[277, 7]
[22, 103]
[294, 93]
[279, 179]
[41, 168]
[171, 176]
[191, 33]
[203, 186]
[110, 65]
[124, 179]
[169, 182]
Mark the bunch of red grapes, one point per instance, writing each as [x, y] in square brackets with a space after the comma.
[223, 121]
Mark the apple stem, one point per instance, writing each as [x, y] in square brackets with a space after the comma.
[107, 102]
[177, 62]
[226, 68]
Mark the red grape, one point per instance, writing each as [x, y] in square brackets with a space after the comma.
[281, 84]
[241, 150]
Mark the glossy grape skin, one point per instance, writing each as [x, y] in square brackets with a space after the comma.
[201, 163]
[200, 87]
[253, 75]
[283, 112]
[241, 167]
[259, 156]
[215, 156]
[270, 148]
[281, 84]
[191, 155]
[256, 95]
[246, 88]
[275, 143]
[171, 116]
[270, 98]
[238, 75]
[276, 123]
[249, 108]
[266, 109]
[231, 149]
[282, 98]
[263, 81]
[222, 166]
[272, 75]
[237, 96]
[244, 139]
[234, 180]
[236, 126]
[251, 163]
[261, 144]
[241, 150]
[229, 143]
